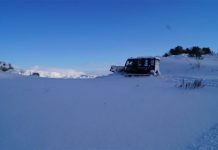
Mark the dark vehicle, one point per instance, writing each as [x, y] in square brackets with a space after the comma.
[139, 66]
[36, 74]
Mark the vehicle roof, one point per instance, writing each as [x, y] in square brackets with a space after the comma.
[144, 58]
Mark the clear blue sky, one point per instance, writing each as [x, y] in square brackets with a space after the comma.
[93, 34]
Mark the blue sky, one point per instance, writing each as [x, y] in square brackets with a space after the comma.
[93, 34]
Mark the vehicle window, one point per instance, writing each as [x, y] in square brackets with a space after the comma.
[132, 62]
[152, 62]
[129, 63]
[146, 62]
[140, 62]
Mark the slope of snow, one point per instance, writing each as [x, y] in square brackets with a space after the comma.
[177, 68]
[111, 112]
[8, 75]
[185, 66]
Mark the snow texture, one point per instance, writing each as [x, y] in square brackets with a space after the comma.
[208, 141]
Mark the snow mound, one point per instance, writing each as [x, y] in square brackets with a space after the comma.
[182, 65]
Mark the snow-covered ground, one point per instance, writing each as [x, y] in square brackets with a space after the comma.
[112, 112]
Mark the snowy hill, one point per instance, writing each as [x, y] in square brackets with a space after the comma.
[182, 65]
[112, 112]
[44, 72]
[176, 68]
[55, 73]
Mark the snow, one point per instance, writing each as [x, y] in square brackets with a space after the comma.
[112, 112]
[208, 141]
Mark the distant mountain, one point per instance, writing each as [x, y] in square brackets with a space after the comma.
[54, 73]
[44, 72]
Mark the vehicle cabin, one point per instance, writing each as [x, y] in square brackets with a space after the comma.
[143, 65]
